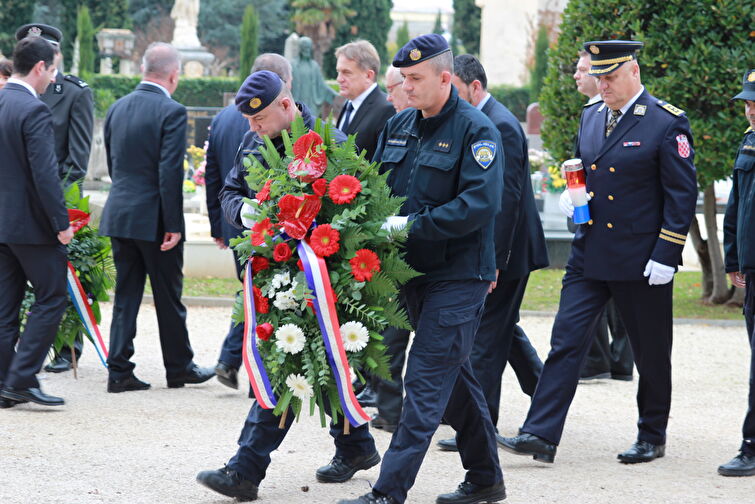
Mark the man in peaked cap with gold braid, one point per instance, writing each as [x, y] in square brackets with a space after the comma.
[739, 245]
[637, 152]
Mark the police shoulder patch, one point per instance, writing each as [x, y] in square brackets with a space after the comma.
[484, 153]
[76, 80]
[670, 108]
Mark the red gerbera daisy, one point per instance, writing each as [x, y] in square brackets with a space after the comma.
[324, 240]
[264, 193]
[364, 264]
[343, 189]
[282, 252]
[259, 230]
[319, 187]
[259, 263]
[264, 331]
[261, 303]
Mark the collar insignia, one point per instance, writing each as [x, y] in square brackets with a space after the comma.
[639, 110]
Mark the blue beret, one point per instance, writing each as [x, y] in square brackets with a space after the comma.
[748, 87]
[47, 32]
[258, 91]
[608, 55]
[420, 49]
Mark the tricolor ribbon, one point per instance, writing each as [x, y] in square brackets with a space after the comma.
[81, 303]
[325, 309]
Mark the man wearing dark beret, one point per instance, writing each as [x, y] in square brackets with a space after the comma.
[739, 245]
[446, 158]
[638, 156]
[72, 106]
[266, 102]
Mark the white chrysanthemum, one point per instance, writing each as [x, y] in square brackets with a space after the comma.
[299, 386]
[289, 338]
[355, 336]
[280, 280]
[285, 300]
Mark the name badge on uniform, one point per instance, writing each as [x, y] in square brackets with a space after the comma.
[484, 153]
[57, 88]
[631, 144]
[401, 142]
[639, 110]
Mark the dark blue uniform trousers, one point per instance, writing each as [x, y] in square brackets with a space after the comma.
[260, 436]
[494, 340]
[233, 344]
[45, 267]
[647, 313]
[748, 429]
[439, 383]
[390, 392]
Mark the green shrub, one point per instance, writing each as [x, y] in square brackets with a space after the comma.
[516, 99]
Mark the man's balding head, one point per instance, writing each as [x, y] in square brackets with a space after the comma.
[161, 64]
[274, 63]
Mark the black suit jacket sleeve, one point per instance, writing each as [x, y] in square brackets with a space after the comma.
[514, 163]
[43, 164]
[74, 166]
[213, 183]
[170, 169]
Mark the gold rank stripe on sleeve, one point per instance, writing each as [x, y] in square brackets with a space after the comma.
[672, 237]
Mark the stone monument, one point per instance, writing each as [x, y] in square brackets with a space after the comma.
[115, 42]
[195, 58]
[309, 86]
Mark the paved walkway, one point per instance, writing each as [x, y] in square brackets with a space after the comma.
[146, 447]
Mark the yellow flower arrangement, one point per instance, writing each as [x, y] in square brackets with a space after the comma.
[555, 183]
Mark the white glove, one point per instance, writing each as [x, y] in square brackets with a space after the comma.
[394, 222]
[565, 204]
[248, 210]
[657, 273]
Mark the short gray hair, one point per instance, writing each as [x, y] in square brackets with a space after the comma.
[160, 60]
[363, 53]
[274, 63]
[394, 71]
[444, 62]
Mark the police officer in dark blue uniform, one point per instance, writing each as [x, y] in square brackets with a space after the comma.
[739, 245]
[637, 152]
[445, 158]
[260, 436]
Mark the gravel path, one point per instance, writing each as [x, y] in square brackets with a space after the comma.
[146, 447]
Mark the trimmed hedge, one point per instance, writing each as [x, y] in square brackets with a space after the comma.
[516, 99]
[199, 92]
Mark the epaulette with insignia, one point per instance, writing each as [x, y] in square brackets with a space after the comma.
[670, 108]
[748, 130]
[76, 80]
[591, 104]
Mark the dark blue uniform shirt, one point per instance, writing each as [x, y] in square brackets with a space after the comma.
[739, 220]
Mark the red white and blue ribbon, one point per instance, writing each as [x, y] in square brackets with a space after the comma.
[81, 303]
[255, 369]
[325, 309]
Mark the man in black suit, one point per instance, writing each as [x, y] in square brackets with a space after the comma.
[499, 338]
[145, 139]
[72, 106]
[367, 108]
[34, 227]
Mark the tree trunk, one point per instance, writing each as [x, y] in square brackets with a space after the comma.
[721, 291]
[701, 247]
[738, 298]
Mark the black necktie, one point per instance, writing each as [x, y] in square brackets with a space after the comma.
[348, 109]
[612, 121]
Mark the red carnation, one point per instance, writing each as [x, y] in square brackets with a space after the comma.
[264, 193]
[282, 252]
[343, 189]
[259, 230]
[310, 159]
[364, 264]
[320, 186]
[260, 302]
[264, 331]
[324, 240]
[259, 263]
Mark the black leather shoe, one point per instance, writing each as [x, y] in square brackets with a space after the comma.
[622, 377]
[127, 384]
[469, 493]
[367, 397]
[529, 444]
[230, 483]
[381, 423]
[193, 375]
[34, 395]
[58, 365]
[7, 403]
[227, 375]
[448, 445]
[741, 465]
[370, 498]
[642, 451]
[341, 469]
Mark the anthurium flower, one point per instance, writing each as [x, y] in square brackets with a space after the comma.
[264, 193]
[324, 240]
[259, 230]
[364, 264]
[343, 189]
[77, 218]
[310, 159]
[297, 213]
